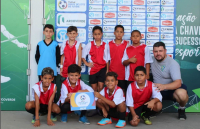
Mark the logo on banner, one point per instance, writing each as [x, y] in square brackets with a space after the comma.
[62, 35]
[167, 2]
[95, 1]
[62, 4]
[152, 29]
[153, 2]
[109, 8]
[108, 28]
[110, 15]
[124, 8]
[61, 19]
[124, 15]
[124, 22]
[167, 29]
[167, 23]
[95, 22]
[138, 2]
[82, 100]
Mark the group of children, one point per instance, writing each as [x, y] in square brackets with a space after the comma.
[121, 66]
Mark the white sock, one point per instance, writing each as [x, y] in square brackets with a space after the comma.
[182, 108]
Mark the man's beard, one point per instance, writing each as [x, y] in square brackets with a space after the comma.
[160, 59]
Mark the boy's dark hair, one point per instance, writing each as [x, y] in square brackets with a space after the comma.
[74, 68]
[119, 26]
[72, 28]
[113, 74]
[48, 71]
[135, 31]
[158, 44]
[48, 26]
[140, 68]
[97, 28]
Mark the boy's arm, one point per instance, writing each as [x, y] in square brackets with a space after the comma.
[109, 102]
[107, 67]
[79, 54]
[37, 108]
[61, 64]
[147, 69]
[57, 55]
[37, 54]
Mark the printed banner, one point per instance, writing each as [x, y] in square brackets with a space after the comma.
[82, 101]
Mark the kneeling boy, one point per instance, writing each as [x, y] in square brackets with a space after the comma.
[43, 94]
[72, 85]
[111, 101]
[138, 98]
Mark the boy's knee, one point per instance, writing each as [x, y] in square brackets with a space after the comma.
[121, 107]
[28, 106]
[158, 106]
[56, 110]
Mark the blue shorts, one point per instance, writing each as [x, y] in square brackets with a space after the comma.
[168, 95]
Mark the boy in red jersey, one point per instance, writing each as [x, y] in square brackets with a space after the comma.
[111, 101]
[135, 55]
[43, 94]
[70, 52]
[115, 53]
[72, 85]
[142, 96]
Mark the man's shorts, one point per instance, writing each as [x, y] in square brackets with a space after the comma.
[168, 95]
[98, 77]
[122, 84]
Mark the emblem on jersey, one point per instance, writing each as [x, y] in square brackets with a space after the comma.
[162, 68]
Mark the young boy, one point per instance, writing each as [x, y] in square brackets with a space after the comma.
[136, 55]
[141, 97]
[47, 52]
[43, 94]
[72, 85]
[115, 53]
[70, 51]
[111, 101]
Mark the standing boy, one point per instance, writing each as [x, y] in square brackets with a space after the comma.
[115, 53]
[47, 52]
[142, 96]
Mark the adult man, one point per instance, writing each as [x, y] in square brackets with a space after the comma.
[167, 78]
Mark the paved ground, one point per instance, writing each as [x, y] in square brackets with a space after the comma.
[22, 120]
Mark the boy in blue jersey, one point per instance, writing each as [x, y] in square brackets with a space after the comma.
[47, 52]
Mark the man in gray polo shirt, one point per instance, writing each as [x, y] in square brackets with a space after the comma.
[167, 78]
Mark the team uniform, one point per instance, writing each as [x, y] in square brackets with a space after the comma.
[47, 55]
[117, 97]
[66, 88]
[143, 55]
[97, 55]
[44, 97]
[70, 55]
[136, 97]
[115, 54]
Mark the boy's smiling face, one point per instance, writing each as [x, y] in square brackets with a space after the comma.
[46, 80]
[111, 82]
[73, 78]
[72, 35]
[140, 78]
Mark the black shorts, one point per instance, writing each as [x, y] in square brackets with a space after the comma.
[98, 77]
[122, 84]
[113, 112]
[168, 95]
[138, 112]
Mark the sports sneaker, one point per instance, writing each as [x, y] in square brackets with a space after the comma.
[33, 120]
[84, 120]
[120, 124]
[146, 120]
[181, 114]
[53, 117]
[78, 113]
[105, 121]
[64, 118]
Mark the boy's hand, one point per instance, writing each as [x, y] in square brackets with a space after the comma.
[150, 104]
[135, 118]
[37, 123]
[69, 95]
[90, 64]
[61, 70]
[133, 59]
[97, 94]
[50, 123]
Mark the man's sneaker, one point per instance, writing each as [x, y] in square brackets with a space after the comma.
[78, 113]
[120, 124]
[64, 118]
[105, 121]
[33, 120]
[181, 114]
[84, 120]
[146, 120]
[53, 118]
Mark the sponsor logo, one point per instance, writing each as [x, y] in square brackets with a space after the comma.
[167, 29]
[167, 23]
[167, 9]
[152, 36]
[124, 21]
[153, 22]
[124, 15]
[140, 28]
[95, 15]
[153, 2]
[108, 28]
[95, 8]
[167, 2]
[138, 9]
[153, 15]
[7, 99]
[82, 100]
[109, 15]
[108, 35]
[123, 2]
[90, 28]
[167, 36]
[110, 2]
[138, 2]
[153, 9]
[61, 35]
[152, 29]
[138, 15]
[109, 8]
[151, 42]
[167, 16]
[95, 22]
[138, 22]
[142, 35]
[109, 21]
[124, 8]
[62, 4]
[95, 2]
